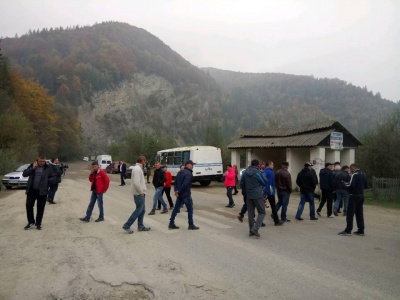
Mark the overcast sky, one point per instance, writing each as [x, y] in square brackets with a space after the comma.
[354, 40]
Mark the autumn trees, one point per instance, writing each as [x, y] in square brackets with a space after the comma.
[29, 122]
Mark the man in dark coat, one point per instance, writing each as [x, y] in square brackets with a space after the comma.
[122, 171]
[326, 185]
[307, 181]
[183, 194]
[40, 177]
[356, 186]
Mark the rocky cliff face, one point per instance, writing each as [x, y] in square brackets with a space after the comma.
[147, 102]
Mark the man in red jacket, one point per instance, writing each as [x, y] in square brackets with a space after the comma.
[100, 183]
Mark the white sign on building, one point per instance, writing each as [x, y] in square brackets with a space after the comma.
[337, 140]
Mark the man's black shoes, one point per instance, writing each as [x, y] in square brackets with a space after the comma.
[84, 220]
[99, 220]
[29, 226]
[193, 227]
[254, 233]
[299, 219]
[173, 226]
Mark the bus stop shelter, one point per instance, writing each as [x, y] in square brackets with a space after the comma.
[317, 143]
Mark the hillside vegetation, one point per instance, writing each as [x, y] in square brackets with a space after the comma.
[113, 81]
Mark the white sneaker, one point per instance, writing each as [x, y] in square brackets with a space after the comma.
[331, 216]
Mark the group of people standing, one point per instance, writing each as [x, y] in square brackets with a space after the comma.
[344, 184]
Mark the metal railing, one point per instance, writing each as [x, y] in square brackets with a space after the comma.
[386, 189]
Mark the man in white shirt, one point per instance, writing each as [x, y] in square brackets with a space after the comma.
[138, 190]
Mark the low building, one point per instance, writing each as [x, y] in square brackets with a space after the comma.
[317, 143]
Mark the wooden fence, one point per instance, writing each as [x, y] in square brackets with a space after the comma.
[386, 189]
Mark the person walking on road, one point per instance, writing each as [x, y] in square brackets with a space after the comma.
[183, 193]
[138, 191]
[269, 191]
[122, 172]
[326, 184]
[356, 186]
[100, 183]
[159, 179]
[252, 182]
[307, 181]
[148, 171]
[230, 184]
[342, 195]
[54, 164]
[283, 183]
[40, 177]
[167, 188]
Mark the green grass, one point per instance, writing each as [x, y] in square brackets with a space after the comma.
[370, 200]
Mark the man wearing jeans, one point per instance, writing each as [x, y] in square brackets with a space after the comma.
[183, 193]
[100, 183]
[283, 183]
[138, 190]
[341, 192]
[253, 181]
[159, 179]
[307, 181]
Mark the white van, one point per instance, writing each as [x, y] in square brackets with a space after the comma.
[103, 161]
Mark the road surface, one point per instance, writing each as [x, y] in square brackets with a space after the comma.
[69, 259]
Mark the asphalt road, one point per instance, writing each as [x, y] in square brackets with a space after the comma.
[69, 259]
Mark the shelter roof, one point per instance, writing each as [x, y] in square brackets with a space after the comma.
[303, 136]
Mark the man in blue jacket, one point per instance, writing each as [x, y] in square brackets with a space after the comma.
[269, 191]
[183, 193]
[253, 181]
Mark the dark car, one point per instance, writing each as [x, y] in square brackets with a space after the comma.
[112, 168]
[15, 178]
[128, 173]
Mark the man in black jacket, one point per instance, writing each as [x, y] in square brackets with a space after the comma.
[158, 181]
[307, 181]
[326, 184]
[40, 177]
[356, 186]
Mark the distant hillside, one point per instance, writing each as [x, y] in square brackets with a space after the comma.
[119, 77]
[273, 99]
[115, 77]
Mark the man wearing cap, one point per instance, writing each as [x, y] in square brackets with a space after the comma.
[182, 188]
[326, 185]
[356, 186]
[283, 183]
[307, 182]
[342, 195]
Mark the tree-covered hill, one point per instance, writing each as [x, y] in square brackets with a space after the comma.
[113, 78]
[273, 99]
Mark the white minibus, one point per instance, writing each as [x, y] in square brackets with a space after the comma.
[207, 162]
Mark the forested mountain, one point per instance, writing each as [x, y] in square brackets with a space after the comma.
[113, 78]
[276, 100]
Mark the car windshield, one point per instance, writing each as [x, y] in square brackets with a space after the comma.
[22, 168]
